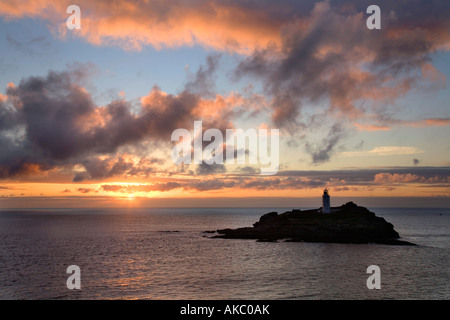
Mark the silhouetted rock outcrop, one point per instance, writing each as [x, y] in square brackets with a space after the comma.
[346, 224]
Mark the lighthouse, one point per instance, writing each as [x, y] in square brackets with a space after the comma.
[325, 202]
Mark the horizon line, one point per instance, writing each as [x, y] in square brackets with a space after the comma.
[79, 202]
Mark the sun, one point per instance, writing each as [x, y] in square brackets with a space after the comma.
[130, 197]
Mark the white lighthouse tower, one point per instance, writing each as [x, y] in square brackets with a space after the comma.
[325, 202]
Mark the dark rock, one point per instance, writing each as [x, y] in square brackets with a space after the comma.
[346, 224]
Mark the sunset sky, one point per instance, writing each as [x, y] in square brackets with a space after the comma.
[86, 116]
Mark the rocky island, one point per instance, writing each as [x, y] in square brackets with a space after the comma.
[348, 223]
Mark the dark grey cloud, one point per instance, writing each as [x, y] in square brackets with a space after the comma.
[367, 175]
[8, 117]
[52, 121]
[32, 46]
[207, 185]
[416, 161]
[330, 63]
[114, 187]
[323, 151]
[206, 169]
[249, 170]
[98, 169]
[203, 82]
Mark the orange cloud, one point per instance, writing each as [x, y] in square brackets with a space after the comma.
[159, 24]
[430, 73]
[429, 122]
[41, 8]
[393, 178]
[383, 178]
[218, 110]
[368, 127]
[382, 151]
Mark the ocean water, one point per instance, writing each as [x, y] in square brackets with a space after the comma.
[165, 254]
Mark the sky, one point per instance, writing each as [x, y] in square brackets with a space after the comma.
[87, 115]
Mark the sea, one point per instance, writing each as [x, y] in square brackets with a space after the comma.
[165, 254]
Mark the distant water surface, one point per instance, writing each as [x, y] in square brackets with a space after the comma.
[165, 254]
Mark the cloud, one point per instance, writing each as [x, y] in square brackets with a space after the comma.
[244, 27]
[206, 169]
[338, 189]
[384, 178]
[383, 151]
[98, 168]
[254, 183]
[52, 122]
[398, 178]
[208, 185]
[365, 127]
[323, 151]
[249, 170]
[387, 124]
[163, 186]
[203, 81]
[223, 25]
[315, 60]
[85, 190]
[31, 46]
[282, 183]
[428, 122]
[331, 61]
[416, 161]
[6, 188]
[198, 185]
[339, 180]
[433, 76]
[113, 188]
[363, 176]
